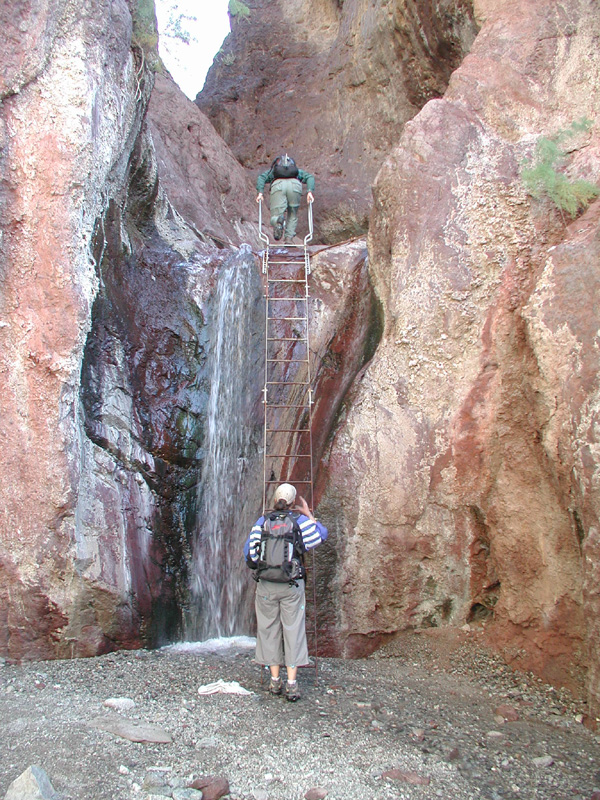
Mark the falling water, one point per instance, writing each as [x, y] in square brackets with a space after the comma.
[229, 490]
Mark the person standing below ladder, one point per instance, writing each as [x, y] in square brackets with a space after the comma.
[286, 192]
[274, 549]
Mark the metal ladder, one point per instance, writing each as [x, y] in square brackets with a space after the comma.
[287, 391]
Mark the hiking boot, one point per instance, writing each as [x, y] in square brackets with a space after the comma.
[278, 228]
[275, 686]
[291, 691]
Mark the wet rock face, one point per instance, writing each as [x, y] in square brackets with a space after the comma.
[332, 84]
[146, 382]
[464, 468]
[143, 395]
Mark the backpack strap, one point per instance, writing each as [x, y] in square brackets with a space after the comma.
[299, 549]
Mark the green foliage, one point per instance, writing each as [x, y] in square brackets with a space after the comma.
[238, 9]
[144, 37]
[541, 177]
[144, 26]
[177, 27]
[145, 33]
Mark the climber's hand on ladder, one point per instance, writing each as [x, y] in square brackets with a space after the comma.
[259, 197]
[310, 198]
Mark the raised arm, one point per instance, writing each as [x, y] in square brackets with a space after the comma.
[313, 532]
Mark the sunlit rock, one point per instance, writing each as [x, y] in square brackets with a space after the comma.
[464, 470]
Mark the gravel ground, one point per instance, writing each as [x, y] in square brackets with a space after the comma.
[423, 709]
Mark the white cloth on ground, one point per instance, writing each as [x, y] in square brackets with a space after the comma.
[223, 687]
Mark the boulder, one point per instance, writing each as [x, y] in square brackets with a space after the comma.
[33, 784]
[204, 181]
[133, 731]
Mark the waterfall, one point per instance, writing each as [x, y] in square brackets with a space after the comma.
[229, 492]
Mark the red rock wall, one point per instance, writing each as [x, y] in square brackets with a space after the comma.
[52, 176]
[202, 178]
[106, 298]
[105, 334]
[333, 84]
[465, 467]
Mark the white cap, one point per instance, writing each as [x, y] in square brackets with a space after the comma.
[285, 491]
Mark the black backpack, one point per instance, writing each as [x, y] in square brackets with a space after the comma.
[284, 167]
[281, 552]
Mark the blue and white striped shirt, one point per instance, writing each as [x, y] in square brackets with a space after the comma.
[313, 533]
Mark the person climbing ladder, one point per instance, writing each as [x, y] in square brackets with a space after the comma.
[286, 181]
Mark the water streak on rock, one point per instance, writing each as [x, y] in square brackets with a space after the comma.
[219, 580]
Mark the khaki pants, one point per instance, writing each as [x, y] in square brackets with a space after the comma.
[285, 195]
[281, 628]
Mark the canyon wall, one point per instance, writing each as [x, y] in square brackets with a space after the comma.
[332, 83]
[105, 329]
[462, 478]
[456, 411]
[131, 343]
[200, 175]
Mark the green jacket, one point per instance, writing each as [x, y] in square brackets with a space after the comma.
[269, 177]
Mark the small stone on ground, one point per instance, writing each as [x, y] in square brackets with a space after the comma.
[148, 734]
[120, 703]
[212, 787]
[406, 776]
[316, 793]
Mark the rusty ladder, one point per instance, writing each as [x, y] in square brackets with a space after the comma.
[287, 391]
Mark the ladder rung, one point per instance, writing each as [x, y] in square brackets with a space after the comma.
[299, 297]
[287, 383]
[286, 280]
[277, 405]
[287, 339]
[288, 430]
[287, 319]
[287, 360]
[305, 390]
[287, 455]
[277, 482]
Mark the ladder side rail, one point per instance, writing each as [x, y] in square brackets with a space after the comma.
[265, 386]
[310, 482]
[262, 236]
[309, 235]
